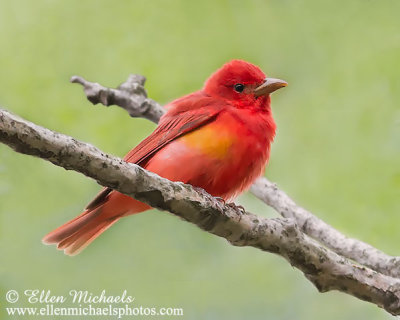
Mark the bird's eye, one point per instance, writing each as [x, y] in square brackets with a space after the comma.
[238, 87]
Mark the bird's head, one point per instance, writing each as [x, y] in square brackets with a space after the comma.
[243, 83]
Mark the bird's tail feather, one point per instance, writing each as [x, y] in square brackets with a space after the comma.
[77, 234]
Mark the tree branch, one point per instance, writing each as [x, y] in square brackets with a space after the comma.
[323, 267]
[350, 248]
[263, 189]
[130, 96]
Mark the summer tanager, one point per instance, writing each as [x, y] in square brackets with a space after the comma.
[217, 139]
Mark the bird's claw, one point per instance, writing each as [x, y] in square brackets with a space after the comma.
[232, 205]
[240, 208]
[221, 200]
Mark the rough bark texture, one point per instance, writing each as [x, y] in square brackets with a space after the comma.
[353, 249]
[308, 243]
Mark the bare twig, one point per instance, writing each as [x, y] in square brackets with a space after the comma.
[130, 96]
[263, 189]
[323, 267]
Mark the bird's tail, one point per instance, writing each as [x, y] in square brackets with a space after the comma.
[77, 234]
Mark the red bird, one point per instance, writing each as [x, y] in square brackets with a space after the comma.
[218, 139]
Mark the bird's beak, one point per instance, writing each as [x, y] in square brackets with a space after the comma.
[269, 86]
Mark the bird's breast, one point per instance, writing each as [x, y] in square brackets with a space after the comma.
[213, 140]
[222, 157]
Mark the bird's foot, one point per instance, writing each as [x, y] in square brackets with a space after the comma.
[232, 205]
[221, 200]
[236, 206]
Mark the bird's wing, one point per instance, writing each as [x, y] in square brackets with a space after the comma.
[184, 115]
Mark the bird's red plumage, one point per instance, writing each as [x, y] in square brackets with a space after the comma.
[217, 139]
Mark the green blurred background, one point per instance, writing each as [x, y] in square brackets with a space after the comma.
[337, 150]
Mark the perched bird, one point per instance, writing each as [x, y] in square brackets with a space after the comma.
[217, 138]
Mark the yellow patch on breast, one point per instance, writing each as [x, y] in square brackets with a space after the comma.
[211, 140]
